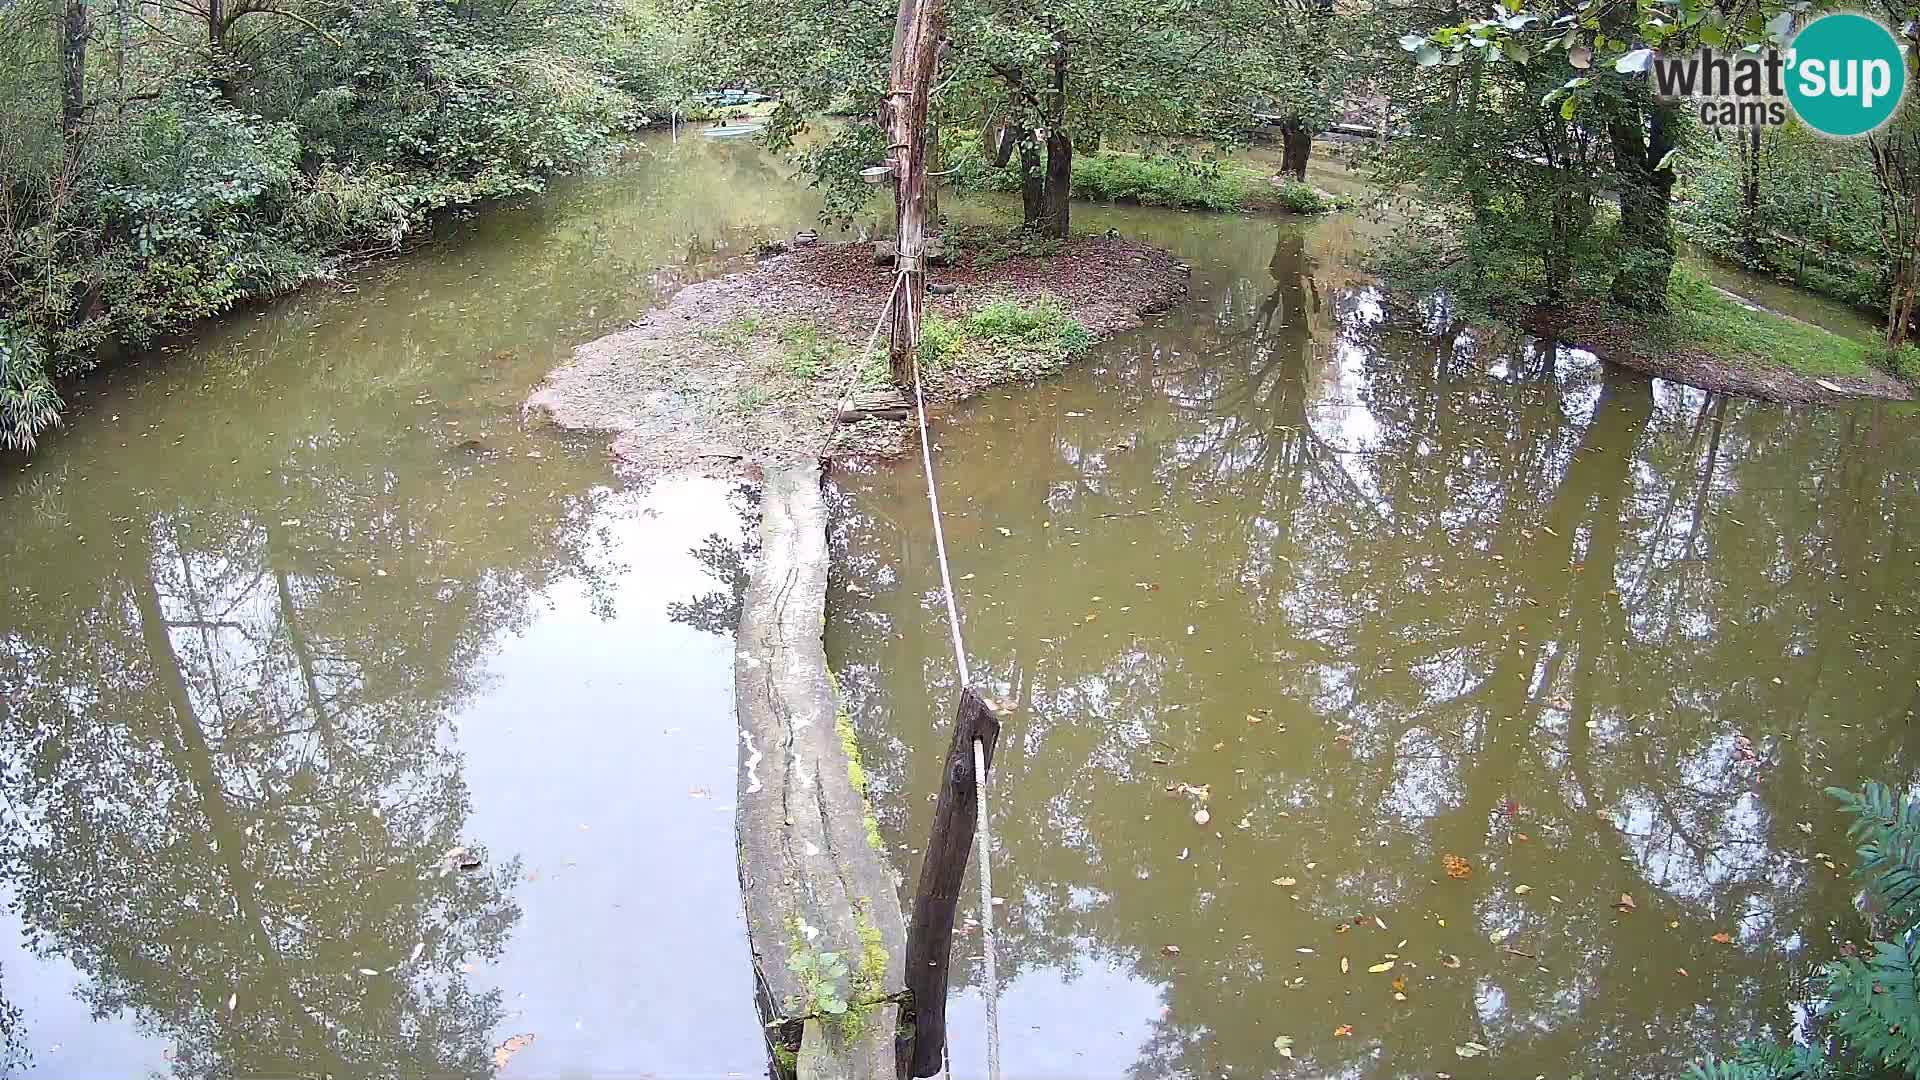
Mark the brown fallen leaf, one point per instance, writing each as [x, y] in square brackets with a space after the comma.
[1625, 904]
[1457, 867]
[1723, 938]
[505, 1051]
[1399, 984]
[1450, 961]
[1343, 1031]
[1170, 950]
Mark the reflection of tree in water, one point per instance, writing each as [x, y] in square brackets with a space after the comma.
[231, 784]
[728, 560]
[1490, 594]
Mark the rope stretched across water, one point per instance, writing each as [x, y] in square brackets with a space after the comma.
[983, 837]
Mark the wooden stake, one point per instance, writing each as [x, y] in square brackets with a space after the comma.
[930, 936]
[916, 35]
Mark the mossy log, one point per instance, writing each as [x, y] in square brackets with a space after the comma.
[819, 894]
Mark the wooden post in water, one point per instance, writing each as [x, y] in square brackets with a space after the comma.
[916, 35]
[930, 934]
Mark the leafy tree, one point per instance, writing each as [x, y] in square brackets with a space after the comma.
[1612, 42]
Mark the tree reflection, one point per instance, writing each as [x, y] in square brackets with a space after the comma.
[232, 788]
[1392, 590]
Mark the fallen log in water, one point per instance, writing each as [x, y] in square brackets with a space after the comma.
[823, 916]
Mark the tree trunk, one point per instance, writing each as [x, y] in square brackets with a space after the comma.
[73, 71]
[1033, 203]
[1752, 247]
[1296, 146]
[1641, 136]
[915, 37]
[1054, 209]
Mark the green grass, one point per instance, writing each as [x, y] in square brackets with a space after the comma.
[738, 334]
[804, 353]
[1005, 339]
[1044, 325]
[1707, 319]
[1161, 180]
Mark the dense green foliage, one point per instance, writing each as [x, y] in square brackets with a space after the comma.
[1027, 91]
[1784, 201]
[1871, 1019]
[214, 156]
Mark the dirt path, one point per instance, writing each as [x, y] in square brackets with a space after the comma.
[748, 369]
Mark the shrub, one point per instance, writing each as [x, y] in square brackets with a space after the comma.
[941, 339]
[28, 403]
[1303, 198]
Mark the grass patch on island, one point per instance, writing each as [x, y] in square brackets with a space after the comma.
[1005, 338]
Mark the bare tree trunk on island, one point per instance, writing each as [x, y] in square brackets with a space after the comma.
[916, 34]
[1296, 146]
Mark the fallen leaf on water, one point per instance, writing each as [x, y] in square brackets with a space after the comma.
[1284, 1044]
[1170, 950]
[1343, 1031]
[1499, 936]
[1522, 890]
[1379, 922]
[467, 968]
[1471, 1049]
[1806, 827]
[1385, 965]
[505, 1051]
[368, 971]
[1450, 961]
[1723, 938]
[418, 948]
[1285, 882]
[1625, 904]
[1680, 971]
[1342, 928]
[1457, 867]
[1201, 817]
[1304, 951]
[1345, 966]
[1399, 984]
[233, 1000]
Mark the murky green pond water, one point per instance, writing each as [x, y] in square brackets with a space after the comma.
[1376, 596]
[289, 616]
[347, 728]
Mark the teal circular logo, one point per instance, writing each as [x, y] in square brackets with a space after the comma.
[1845, 74]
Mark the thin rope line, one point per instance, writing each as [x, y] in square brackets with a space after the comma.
[939, 534]
[984, 837]
[859, 363]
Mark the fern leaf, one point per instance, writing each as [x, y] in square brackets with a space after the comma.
[1886, 826]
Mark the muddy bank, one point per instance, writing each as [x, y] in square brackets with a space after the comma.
[748, 369]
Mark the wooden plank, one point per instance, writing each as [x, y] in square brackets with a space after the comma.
[812, 881]
[930, 941]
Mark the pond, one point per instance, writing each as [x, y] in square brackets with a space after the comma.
[349, 727]
[1442, 704]
[298, 623]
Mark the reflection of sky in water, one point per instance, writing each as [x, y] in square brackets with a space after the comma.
[601, 751]
[604, 754]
